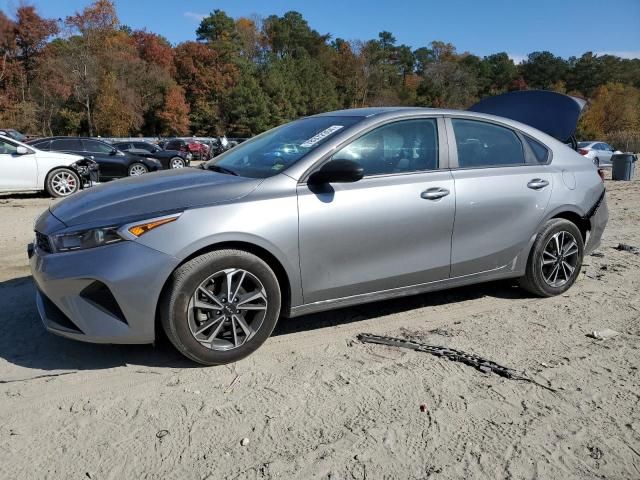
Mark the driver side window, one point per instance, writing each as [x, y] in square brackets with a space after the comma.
[400, 147]
[7, 148]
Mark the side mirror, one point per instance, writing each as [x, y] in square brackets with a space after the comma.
[113, 152]
[337, 171]
[20, 150]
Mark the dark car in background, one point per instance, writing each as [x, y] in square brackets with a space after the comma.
[199, 150]
[13, 133]
[113, 163]
[168, 158]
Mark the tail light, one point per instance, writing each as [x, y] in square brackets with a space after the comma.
[601, 173]
[583, 151]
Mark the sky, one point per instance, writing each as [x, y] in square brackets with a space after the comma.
[482, 27]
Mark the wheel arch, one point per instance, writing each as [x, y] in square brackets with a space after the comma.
[579, 221]
[284, 280]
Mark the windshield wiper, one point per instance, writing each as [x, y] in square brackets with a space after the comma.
[219, 169]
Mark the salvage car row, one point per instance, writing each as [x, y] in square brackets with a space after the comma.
[62, 166]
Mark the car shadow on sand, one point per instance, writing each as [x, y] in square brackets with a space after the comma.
[24, 341]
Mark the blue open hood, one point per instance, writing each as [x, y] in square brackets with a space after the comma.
[553, 113]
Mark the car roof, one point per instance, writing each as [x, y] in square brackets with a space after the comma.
[63, 137]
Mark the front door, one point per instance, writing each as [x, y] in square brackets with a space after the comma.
[111, 164]
[17, 172]
[389, 230]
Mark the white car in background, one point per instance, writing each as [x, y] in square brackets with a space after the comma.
[24, 168]
[599, 152]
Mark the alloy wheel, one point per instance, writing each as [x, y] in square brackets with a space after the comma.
[559, 259]
[177, 163]
[227, 309]
[64, 183]
[137, 169]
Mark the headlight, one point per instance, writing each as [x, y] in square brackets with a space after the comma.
[81, 240]
[97, 237]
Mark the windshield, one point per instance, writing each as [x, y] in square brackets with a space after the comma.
[275, 150]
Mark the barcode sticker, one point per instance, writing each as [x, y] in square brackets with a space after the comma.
[323, 134]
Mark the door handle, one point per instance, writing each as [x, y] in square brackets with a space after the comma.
[434, 193]
[537, 184]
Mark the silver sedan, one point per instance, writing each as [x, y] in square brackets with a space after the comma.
[328, 211]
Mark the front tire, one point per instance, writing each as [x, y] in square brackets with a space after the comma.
[137, 168]
[221, 306]
[555, 259]
[62, 182]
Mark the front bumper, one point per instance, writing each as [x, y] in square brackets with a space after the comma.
[103, 295]
[598, 218]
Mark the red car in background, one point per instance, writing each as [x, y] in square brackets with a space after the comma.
[199, 150]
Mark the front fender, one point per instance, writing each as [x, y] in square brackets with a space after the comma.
[270, 225]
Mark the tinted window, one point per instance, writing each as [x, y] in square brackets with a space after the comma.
[407, 146]
[279, 148]
[482, 144]
[7, 148]
[607, 147]
[122, 146]
[143, 146]
[70, 144]
[540, 152]
[96, 146]
[41, 144]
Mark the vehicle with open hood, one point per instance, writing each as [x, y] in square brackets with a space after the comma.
[327, 211]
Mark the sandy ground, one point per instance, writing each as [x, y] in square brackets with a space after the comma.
[315, 403]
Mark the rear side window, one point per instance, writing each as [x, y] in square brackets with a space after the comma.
[71, 144]
[41, 144]
[97, 147]
[482, 144]
[540, 152]
[143, 146]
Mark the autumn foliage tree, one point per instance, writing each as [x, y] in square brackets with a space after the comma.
[174, 114]
[89, 74]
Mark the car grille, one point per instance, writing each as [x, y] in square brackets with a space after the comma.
[42, 242]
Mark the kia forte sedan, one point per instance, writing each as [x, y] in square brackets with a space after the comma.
[367, 204]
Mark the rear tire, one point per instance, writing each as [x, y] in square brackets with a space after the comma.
[550, 273]
[176, 162]
[215, 335]
[62, 182]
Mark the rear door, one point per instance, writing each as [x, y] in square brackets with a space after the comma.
[17, 172]
[502, 190]
[391, 229]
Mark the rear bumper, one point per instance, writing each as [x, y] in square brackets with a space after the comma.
[598, 221]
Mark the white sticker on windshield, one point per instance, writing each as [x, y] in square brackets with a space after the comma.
[323, 134]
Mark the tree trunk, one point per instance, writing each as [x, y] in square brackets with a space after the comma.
[89, 120]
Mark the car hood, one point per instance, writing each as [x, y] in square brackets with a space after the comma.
[63, 158]
[553, 113]
[150, 195]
